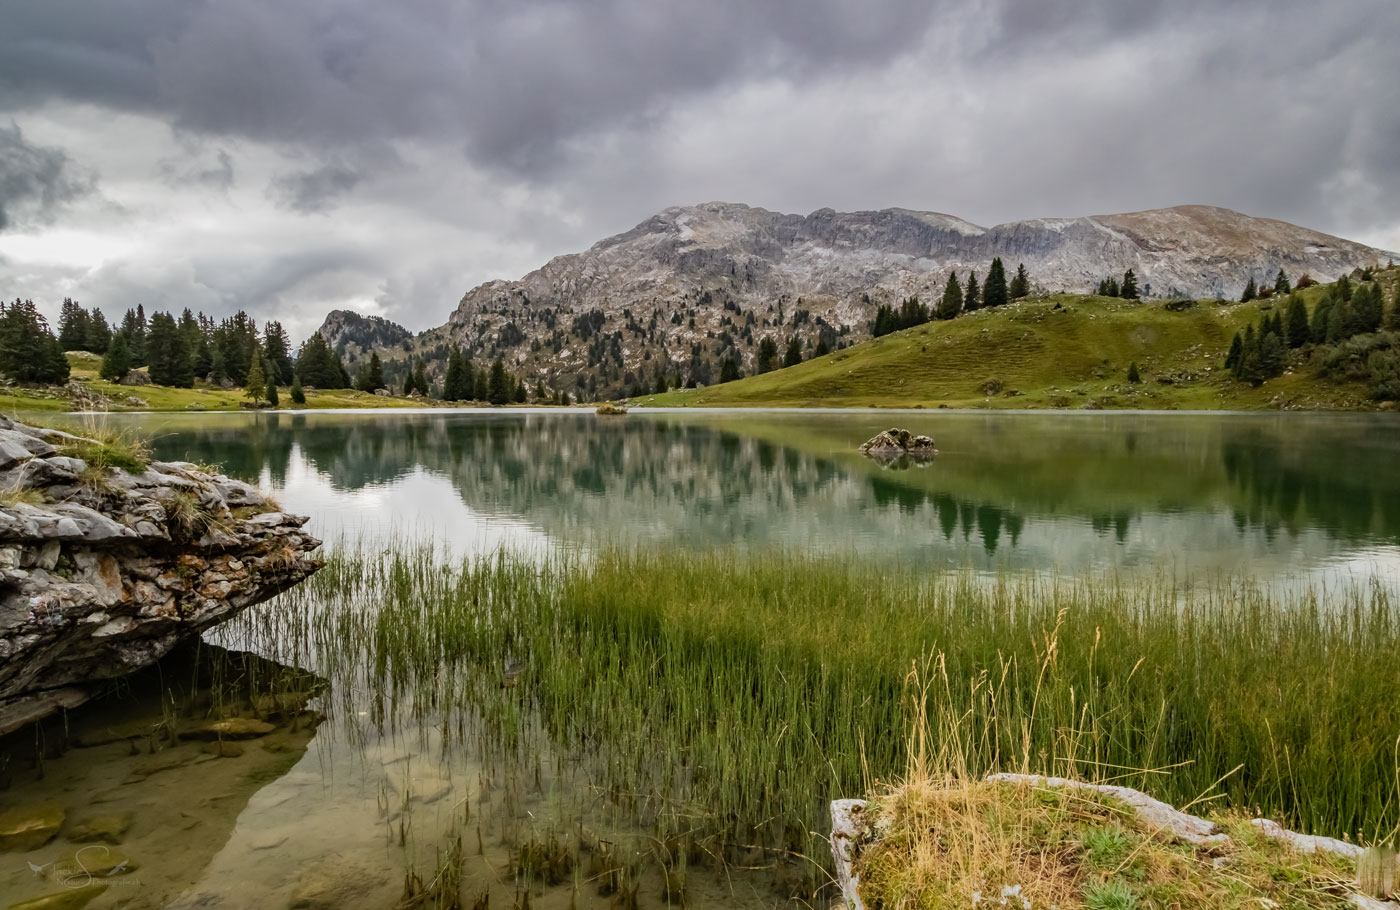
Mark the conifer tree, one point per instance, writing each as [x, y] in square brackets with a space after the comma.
[1296, 330]
[29, 352]
[270, 370]
[276, 347]
[972, 294]
[951, 303]
[116, 363]
[1133, 375]
[1232, 359]
[994, 293]
[1344, 288]
[1020, 284]
[1271, 356]
[729, 369]
[521, 394]
[1281, 283]
[420, 376]
[1369, 306]
[298, 393]
[73, 326]
[99, 333]
[255, 386]
[498, 391]
[134, 325]
[1338, 319]
[1321, 318]
[168, 353]
[371, 375]
[453, 385]
[767, 355]
[1129, 289]
[1251, 290]
[822, 348]
[793, 355]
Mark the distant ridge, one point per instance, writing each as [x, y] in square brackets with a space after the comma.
[693, 285]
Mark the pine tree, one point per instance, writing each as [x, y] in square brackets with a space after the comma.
[660, 384]
[498, 391]
[972, 294]
[793, 355]
[116, 363]
[729, 369]
[29, 352]
[420, 376]
[1296, 329]
[951, 302]
[73, 326]
[1251, 290]
[521, 394]
[1338, 319]
[99, 333]
[1232, 359]
[317, 366]
[1281, 283]
[1369, 306]
[822, 348]
[1020, 284]
[134, 325]
[1133, 375]
[255, 385]
[994, 292]
[453, 385]
[1271, 356]
[1111, 287]
[767, 355]
[270, 369]
[1129, 288]
[298, 393]
[1321, 318]
[278, 352]
[371, 375]
[169, 354]
[1344, 288]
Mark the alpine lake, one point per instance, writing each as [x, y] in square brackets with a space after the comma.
[561, 660]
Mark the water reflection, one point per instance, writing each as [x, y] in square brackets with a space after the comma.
[1267, 495]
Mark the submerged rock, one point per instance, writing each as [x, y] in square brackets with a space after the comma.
[230, 728]
[103, 571]
[108, 828]
[897, 443]
[29, 827]
[65, 899]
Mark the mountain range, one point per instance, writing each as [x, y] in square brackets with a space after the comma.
[692, 286]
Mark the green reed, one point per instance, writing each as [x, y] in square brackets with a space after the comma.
[719, 701]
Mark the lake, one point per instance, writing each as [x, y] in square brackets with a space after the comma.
[1273, 496]
[410, 763]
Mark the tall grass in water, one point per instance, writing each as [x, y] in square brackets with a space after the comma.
[731, 697]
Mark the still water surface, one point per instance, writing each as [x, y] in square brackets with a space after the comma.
[1268, 496]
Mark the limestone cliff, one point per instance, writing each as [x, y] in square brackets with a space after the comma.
[103, 569]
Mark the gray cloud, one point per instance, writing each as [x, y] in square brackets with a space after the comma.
[314, 191]
[35, 181]
[546, 124]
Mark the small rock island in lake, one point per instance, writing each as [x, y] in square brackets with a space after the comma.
[895, 444]
[108, 560]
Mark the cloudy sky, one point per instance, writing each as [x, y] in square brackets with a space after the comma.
[292, 156]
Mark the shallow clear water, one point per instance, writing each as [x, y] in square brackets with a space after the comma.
[1280, 498]
[1272, 496]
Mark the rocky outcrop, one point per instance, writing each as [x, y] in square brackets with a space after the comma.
[851, 832]
[896, 443]
[103, 569]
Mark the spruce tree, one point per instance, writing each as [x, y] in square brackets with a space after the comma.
[1296, 329]
[1020, 284]
[1338, 318]
[822, 348]
[521, 394]
[29, 352]
[99, 333]
[1251, 290]
[73, 326]
[994, 293]
[116, 363]
[452, 380]
[1281, 283]
[972, 294]
[1232, 359]
[1133, 375]
[420, 376]
[270, 369]
[1344, 288]
[1129, 288]
[793, 355]
[276, 348]
[1321, 318]
[255, 385]
[951, 302]
[168, 353]
[729, 369]
[1112, 287]
[498, 391]
[134, 325]
[372, 375]
[660, 384]
[298, 393]
[767, 355]
[1369, 306]
[1271, 356]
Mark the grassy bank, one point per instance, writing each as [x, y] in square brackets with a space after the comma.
[1062, 351]
[728, 699]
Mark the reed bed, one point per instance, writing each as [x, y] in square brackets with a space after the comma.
[717, 701]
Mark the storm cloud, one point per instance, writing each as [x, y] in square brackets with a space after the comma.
[412, 150]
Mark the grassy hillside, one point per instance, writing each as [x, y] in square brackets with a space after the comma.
[1063, 351]
[84, 368]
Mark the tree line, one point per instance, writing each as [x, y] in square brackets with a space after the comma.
[958, 298]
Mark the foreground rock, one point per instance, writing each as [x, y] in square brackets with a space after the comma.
[104, 570]
[852, 833]
[896, 443]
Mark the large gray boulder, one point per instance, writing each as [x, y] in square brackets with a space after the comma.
[104, 571]
[895, 443]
